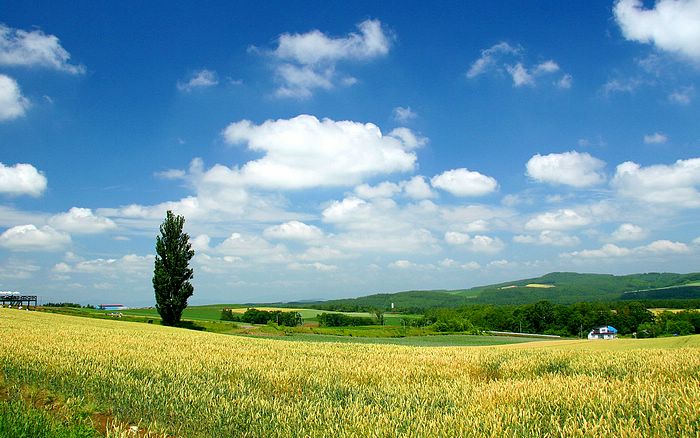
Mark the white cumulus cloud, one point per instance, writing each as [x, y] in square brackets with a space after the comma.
[21, 179]
[674, 184]
[81, 221]
[548, 237]
[562, 219]
[671, 25]
[402, 264]
[609, 250]
[629, 232]
[316, 266]
[31, 238]
[21, 48]
[382, 190]
[520, 75]
[569, 168]
[308, 60]
[464, 182]
[12, 104]
[293, 230]
[478, 243]
[305, 152]
[417, 188]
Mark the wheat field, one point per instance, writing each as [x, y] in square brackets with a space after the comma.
[185, 383]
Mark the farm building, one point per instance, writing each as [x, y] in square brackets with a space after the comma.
[111, 307]
[607, 332]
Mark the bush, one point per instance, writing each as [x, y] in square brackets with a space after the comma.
[229, 315]
[255, 316]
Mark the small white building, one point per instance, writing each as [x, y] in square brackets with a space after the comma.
[606, 332]
[111, 307]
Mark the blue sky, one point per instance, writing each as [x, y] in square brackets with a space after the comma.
[330, 149]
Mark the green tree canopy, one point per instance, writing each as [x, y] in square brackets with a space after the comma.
[172, 274]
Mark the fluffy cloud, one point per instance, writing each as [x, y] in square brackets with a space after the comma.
[402, 264]
[301, 81]
[548, 237]
[315, 47]
[306, 152]
[417, 188]
[478, 243]
[629, 232]
[449, 263]
[293, 230]
[201, 242]
[81, 221]
[403, 115]
[463, 182]
[308, 60]
[672, 25]
[319, 267]
[126, 267]
[200, 79]
[381, 190]
[12, 103]
[31, 238]
[562, 219]
[520, 75]
[250, 247]
[21, 48]
[660, 184]
[655, 138]
[658, 247]
[21, 179]
[568, 168]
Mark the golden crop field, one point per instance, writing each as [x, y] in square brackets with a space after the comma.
[186, 383]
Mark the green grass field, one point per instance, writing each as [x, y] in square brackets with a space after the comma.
[212, 312]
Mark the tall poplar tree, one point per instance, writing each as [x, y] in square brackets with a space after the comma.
[172, 274]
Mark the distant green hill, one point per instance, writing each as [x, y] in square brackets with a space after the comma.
[415, 300]
[571, 287]
[556, 287]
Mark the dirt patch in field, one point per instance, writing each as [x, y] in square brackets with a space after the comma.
[54, 405]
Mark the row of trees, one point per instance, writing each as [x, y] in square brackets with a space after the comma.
[564, 320]
[68, 304]
[256, 316]
[342, 320]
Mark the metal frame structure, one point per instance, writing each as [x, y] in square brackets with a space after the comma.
[18, 300]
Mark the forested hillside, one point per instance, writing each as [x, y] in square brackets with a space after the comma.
[556, 287]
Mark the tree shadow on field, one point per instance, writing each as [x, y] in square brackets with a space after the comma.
[190, 325]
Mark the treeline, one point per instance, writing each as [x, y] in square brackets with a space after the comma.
[342, 320]
[564, 320]
[255, 316]
[73, 305]
[686, 322]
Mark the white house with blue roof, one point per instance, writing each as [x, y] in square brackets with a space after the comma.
[606, 332]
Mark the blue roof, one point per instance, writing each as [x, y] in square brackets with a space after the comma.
[612, 329]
